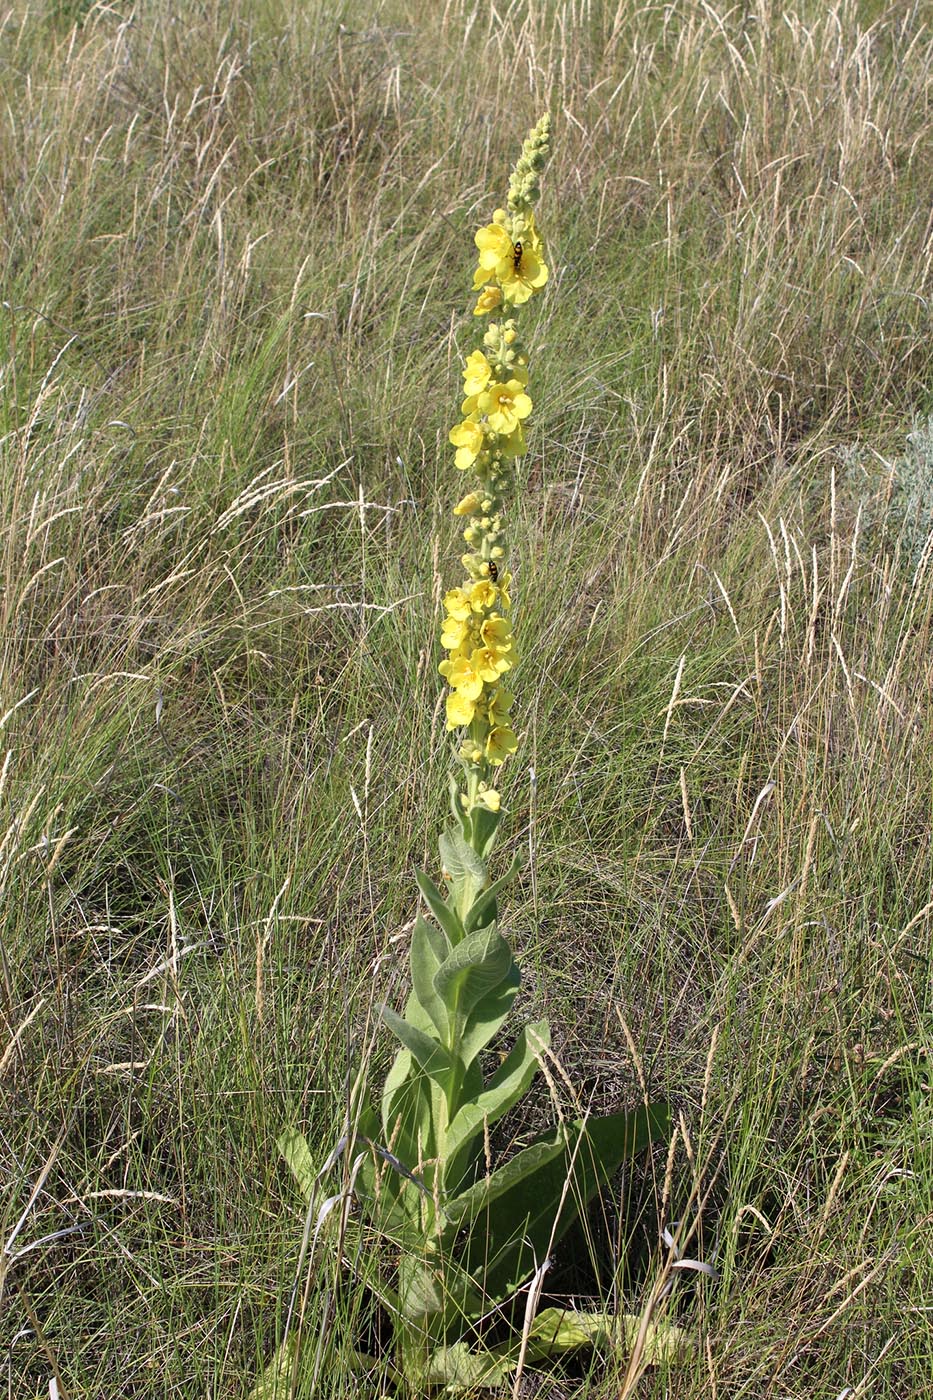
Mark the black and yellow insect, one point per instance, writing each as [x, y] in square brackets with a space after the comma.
[493, 570]
[517, 251]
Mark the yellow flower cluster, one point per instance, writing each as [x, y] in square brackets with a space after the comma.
[478, 635]
[477, 631]
[511, 262]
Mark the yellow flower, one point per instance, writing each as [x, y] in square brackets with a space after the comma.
[504, 406]
[496, 632]
[470, 505]
[482, 595]
[526, 273]
[489, 664]
[496, 254]
[488, 797]
[500, 742]
[460, 711]
[497, 709]
[519, 267]
[468, 439]
[463, 678]
[457, 604]
[476, 373]
[514, 444]
[489, 298]
[454, 633]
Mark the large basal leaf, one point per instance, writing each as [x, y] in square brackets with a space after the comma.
[558, 1330]
[457, 1368]
[464, 871]
[511, 1217]
[390, 1201]
[422, 1295]
[436, 1293]
[275, 1383]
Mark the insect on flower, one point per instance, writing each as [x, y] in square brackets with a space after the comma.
[493, 570]
[517, 251]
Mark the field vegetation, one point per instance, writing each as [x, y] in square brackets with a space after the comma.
[235, 250]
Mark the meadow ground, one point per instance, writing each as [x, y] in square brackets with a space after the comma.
[235, 249]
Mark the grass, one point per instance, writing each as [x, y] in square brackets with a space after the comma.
[234, 250]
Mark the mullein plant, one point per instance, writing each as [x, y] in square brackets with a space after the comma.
[469, 1241]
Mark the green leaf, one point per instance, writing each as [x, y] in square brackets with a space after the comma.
[430, 1054]
[407, 1109]
[429, 948]
[294, 1148]
[488, 1016]
[406, 1095]
[421, 1290]
[411, 1103]
[553, 1332]
[513, 1216]
[464, 871]
[275, 1383]
[445, 916]
[456, 808]
[558, 1330]
[473, 969]
[457, 1368]
[504, 1089]
[484, 909]
[485, 825]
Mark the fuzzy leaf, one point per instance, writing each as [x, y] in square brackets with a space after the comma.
[275, 1383]
[474, 969]
[554, 1332]
[406, 1095]
[445, 916]
[294, 1148]
[557, 1330]
[485, 825]
[464, 872]
[457, 1368]
[429, 948]
[512, 1216]
[428, 1052]
[488, 1016]
[484, 909]
[504, 1089]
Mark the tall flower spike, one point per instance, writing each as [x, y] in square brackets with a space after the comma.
[477, 630]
